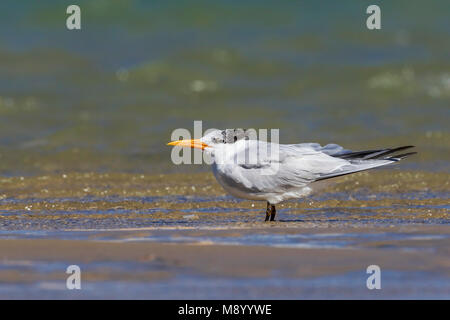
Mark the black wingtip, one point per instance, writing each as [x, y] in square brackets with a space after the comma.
[384, 153]
[372, 154]
[401, 156]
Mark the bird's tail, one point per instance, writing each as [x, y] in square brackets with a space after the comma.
[376, 154]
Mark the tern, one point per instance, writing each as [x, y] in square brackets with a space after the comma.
[258, 170]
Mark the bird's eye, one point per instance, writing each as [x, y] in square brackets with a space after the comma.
[235, 138]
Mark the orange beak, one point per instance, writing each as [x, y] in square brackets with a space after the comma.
[193, 143]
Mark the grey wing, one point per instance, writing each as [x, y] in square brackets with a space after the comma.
[282, 167]
[336, 150]
[329, 149]
[357, 160]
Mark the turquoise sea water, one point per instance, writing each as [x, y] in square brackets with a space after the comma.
[107, 97]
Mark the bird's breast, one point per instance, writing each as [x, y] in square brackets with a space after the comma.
[234, 183]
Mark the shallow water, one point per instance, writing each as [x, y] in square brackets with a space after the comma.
[109, 201]
[346, 286]
[155, 236]
[107, 98]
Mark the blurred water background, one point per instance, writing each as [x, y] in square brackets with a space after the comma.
[107, 97]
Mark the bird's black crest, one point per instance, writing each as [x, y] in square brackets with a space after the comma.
[233, 135]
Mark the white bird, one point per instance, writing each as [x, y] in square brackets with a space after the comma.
[258, 170]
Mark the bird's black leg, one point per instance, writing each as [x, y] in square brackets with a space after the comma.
[268, 211]
[273, 213]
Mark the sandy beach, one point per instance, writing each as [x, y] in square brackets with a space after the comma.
[189, 235]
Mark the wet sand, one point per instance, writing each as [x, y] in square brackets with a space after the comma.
[206, 266]
[180, 236]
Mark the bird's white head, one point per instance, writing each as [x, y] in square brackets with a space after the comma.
[214, 139]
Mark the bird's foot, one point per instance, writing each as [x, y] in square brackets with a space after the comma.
[273, 213]
[270, 212]
[268, 215]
